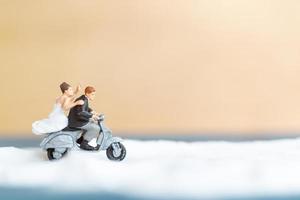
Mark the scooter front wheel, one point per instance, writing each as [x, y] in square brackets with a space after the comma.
[116, 152]
[53, 154]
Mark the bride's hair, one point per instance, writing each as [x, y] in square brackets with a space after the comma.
[64, 86]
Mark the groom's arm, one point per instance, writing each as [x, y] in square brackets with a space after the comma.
[82, 112]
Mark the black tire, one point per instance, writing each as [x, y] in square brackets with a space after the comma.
[110, 155]
[51, 151]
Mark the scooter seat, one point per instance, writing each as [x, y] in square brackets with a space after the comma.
[71, 129]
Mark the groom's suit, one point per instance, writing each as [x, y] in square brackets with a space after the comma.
[79, 117]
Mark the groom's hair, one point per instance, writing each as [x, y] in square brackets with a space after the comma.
[89, 90]
[64, 86]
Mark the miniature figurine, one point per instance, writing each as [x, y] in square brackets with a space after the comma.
[83, 124]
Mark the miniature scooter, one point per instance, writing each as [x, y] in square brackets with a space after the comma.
[58, 144]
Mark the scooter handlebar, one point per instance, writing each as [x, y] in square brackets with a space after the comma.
[101, 118]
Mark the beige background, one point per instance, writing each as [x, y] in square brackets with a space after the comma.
[158, 66]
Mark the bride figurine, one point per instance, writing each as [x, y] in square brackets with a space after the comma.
[57, 120]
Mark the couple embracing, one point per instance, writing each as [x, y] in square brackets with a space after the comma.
[80, 116]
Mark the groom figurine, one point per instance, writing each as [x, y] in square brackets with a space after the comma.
[83, 117]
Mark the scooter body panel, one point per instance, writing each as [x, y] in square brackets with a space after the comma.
[61, 139]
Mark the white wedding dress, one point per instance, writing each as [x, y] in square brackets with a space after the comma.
[56, 121]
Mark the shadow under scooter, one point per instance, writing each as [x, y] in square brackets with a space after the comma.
[57, 144]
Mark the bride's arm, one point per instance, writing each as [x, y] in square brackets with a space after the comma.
[68, 104]
[77, 90]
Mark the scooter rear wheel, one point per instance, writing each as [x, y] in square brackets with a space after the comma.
[52, 154]
[110, 152]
